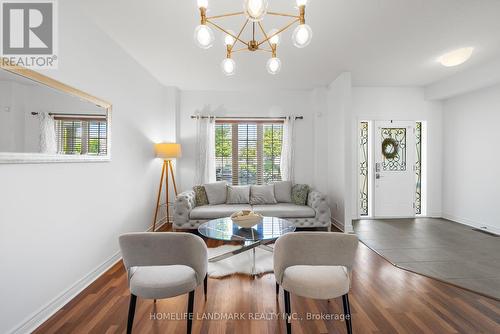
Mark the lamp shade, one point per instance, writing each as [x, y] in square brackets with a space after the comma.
[168, 150]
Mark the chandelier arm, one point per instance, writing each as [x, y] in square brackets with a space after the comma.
[240, 50]
[225, 31]
[239, 34]
[283, 14]
[265, 35]
[279, 31]
[224, 15]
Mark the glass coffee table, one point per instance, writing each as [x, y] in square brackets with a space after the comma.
[260, 235]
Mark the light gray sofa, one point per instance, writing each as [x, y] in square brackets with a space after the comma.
[315, 214]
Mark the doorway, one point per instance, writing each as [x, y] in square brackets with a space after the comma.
[391, 166]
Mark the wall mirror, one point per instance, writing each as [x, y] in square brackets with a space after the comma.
[44, 120]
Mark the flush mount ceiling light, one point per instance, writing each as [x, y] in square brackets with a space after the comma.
[254, 12]
[456, 57]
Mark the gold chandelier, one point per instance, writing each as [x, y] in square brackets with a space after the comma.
[254, 12]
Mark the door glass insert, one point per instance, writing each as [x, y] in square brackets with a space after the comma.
[418, 168]
[393, 149]
[363, 168]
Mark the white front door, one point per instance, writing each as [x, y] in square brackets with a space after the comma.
[394, 194]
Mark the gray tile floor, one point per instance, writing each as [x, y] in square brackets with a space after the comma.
[438, 248]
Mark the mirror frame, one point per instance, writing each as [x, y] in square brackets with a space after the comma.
[20, 158]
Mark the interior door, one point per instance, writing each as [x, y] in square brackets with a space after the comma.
[394, 191]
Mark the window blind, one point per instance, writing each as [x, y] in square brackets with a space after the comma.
[81, 136]
[248, 152]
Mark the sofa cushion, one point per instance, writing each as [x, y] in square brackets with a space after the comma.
[283, 191]
[217, 211]
[299, 194]
[238, 194]
[200, 195]
[262, 194]
[285, 210]
[216, 192]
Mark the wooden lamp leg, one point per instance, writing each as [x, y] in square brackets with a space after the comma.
[167, 193]
[173, 177]
[159, 194]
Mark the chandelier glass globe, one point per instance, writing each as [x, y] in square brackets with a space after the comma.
[228, 39]
[273, 65]
[302, 36]
[275, 39]
[228, 66]
[204, 36]
[202, 3]
[256, 9]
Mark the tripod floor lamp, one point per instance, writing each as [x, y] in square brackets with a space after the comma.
[167, 152]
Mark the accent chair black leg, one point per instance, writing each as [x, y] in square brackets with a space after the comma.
[131, 313]
[190, 311]
[277, 289]
[347, 313]
[205, 285]
[288, 312]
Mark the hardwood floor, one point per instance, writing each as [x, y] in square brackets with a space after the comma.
[384, 299]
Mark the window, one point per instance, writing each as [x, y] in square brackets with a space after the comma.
[81, 136]
[248, 152]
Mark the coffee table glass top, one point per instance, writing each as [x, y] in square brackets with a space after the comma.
[224, 229]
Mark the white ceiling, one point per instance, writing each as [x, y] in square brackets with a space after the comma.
[382, 42]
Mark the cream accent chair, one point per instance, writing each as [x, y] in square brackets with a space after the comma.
[315, 265]
[163, 265]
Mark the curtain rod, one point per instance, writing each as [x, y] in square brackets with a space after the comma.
[62, 115]
[239, 117]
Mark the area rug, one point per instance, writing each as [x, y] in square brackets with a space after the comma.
[239, 264]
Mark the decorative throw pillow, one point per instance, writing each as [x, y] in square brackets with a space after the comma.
[262, 194]
[238, 194]
[299, 194]
[283, 191]
[200, 195]
[216, 192]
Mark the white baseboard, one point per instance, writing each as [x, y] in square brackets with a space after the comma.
[472, 223]
[45, 312]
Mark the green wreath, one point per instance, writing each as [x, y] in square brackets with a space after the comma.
[390, 148]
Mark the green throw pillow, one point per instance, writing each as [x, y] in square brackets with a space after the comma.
[299, 194]
[200, 195]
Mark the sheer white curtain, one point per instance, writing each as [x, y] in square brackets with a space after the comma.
[288, 150]
[48, 142]
[205, 150]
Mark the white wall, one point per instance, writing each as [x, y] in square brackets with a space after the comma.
[273, 104]
[54, 236]
[338, 152]
[471, 182]
[319, 106]
[386, 103]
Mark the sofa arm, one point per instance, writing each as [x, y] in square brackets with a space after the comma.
[184, 203]
[319, 203]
